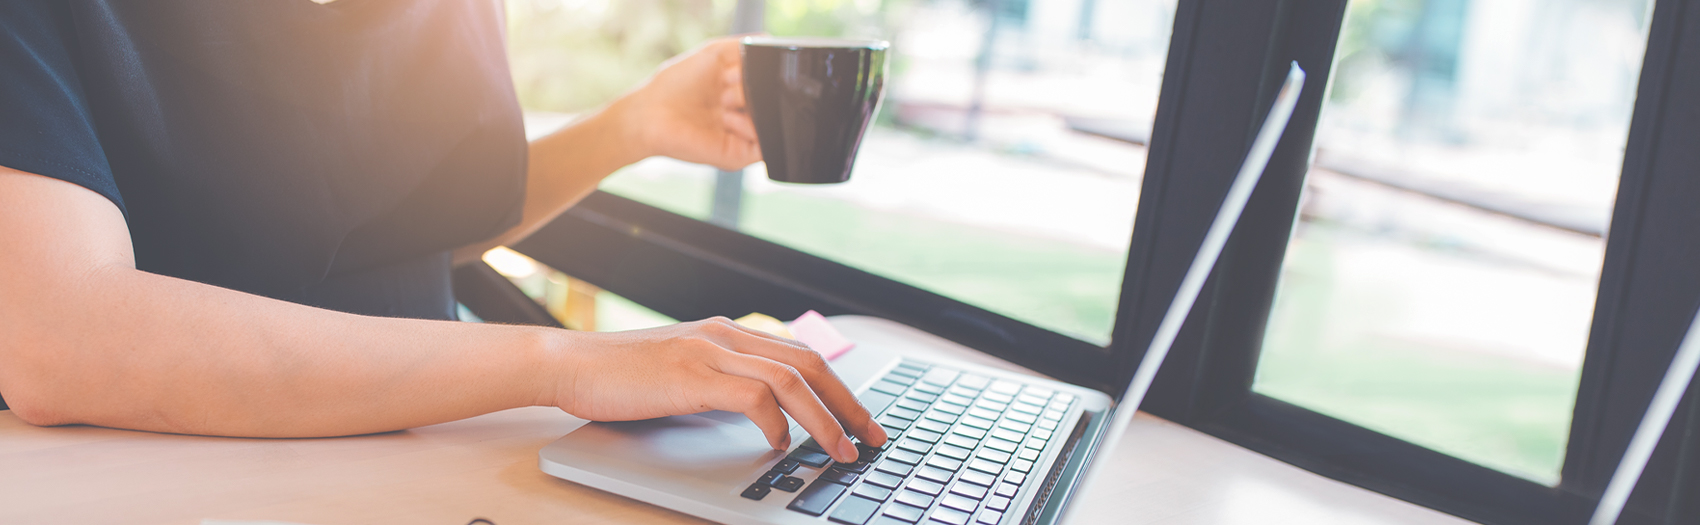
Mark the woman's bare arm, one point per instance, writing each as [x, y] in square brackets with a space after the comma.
[85, 337]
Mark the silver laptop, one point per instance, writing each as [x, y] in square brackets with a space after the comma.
[968, 444]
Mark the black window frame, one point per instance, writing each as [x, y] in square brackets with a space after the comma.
[1226, 59]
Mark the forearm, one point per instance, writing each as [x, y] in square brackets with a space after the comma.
[563, 167]
[124, 348]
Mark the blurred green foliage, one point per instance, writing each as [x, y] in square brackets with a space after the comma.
[575, 55]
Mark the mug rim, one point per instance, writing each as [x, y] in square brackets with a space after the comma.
[813, 42]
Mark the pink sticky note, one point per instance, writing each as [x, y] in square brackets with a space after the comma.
[814, 330]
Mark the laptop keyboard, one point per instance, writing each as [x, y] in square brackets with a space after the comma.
[961, 447]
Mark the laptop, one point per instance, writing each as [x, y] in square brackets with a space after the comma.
[968, 444]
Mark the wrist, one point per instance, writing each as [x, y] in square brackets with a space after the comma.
[621, 124]
[549, 370]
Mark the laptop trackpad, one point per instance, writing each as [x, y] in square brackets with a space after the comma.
[711, 446]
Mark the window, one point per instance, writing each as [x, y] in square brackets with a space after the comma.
[1440, 281]
[1003, 170]
[1239, 368]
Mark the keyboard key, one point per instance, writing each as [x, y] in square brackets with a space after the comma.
[786, 465]
[935, 474]
[905, 413]
[979, 478]
[769, 477]
[922, 396]
[811, 445]
[1021, 465]
[955, 399]
[961, 441]
[913, 367]
[949, 516]
[930, 389]
[815, 499]
[788, 483]
[1053, 415]
[890, 520]
[895, 468]
[914, 445]
[891, 433]
[940, 376]
[1022, 417]
[1065, 397]
[930, 488]
[985, 466]
[1004, 433]
[1007, 489]
[1001, 445]
[995, 456]
[969, 490]
[876, 401]
[888, 387]
[1033, 400]
[973, 381]
[998, 398]
[950, 408]
[1042, 434]
[895, 422]
[932, 426]
[975, 434]
[900, 379]
[1015, 477]
[1006, 387]
[991, 405]
[960, 503]
[1016, 426]
[977, 422]
[813, 458]
[1025, 408]
[859, 466]
[855, 510]
[913, 506]
[1048, 425]
[1029, 454]
[864, 450]
[941, 416]
[982, 413]
[910, 497]
[954, 452]
[838, 475]
[1034, 443]
[872, 492]
[989, 517]
[884, 479]
[923, 435]
[757, 491]
[998, 503]
[904, 456]
[912, 404]
[1038, 391]
[946, 463]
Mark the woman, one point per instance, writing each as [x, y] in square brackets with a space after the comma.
[238, 218]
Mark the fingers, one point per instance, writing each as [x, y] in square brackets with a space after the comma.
[824, 383]
[794, 395]
[755, 400]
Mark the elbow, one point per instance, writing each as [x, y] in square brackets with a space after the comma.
[27, 394]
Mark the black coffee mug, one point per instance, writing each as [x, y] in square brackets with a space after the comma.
[812, 100]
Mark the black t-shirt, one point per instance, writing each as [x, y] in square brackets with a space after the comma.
[328, 155]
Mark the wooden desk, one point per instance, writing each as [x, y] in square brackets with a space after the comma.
[487, 467]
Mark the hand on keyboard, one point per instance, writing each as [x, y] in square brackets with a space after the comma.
[713, 364]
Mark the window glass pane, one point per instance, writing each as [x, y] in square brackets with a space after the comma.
[1003, 169]
[1440, 282]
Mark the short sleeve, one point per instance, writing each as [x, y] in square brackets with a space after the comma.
[46, 127]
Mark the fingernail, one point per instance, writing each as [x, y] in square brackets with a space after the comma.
[785, 443]
[847, 450]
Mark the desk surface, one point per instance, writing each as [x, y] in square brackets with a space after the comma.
[486, 466]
